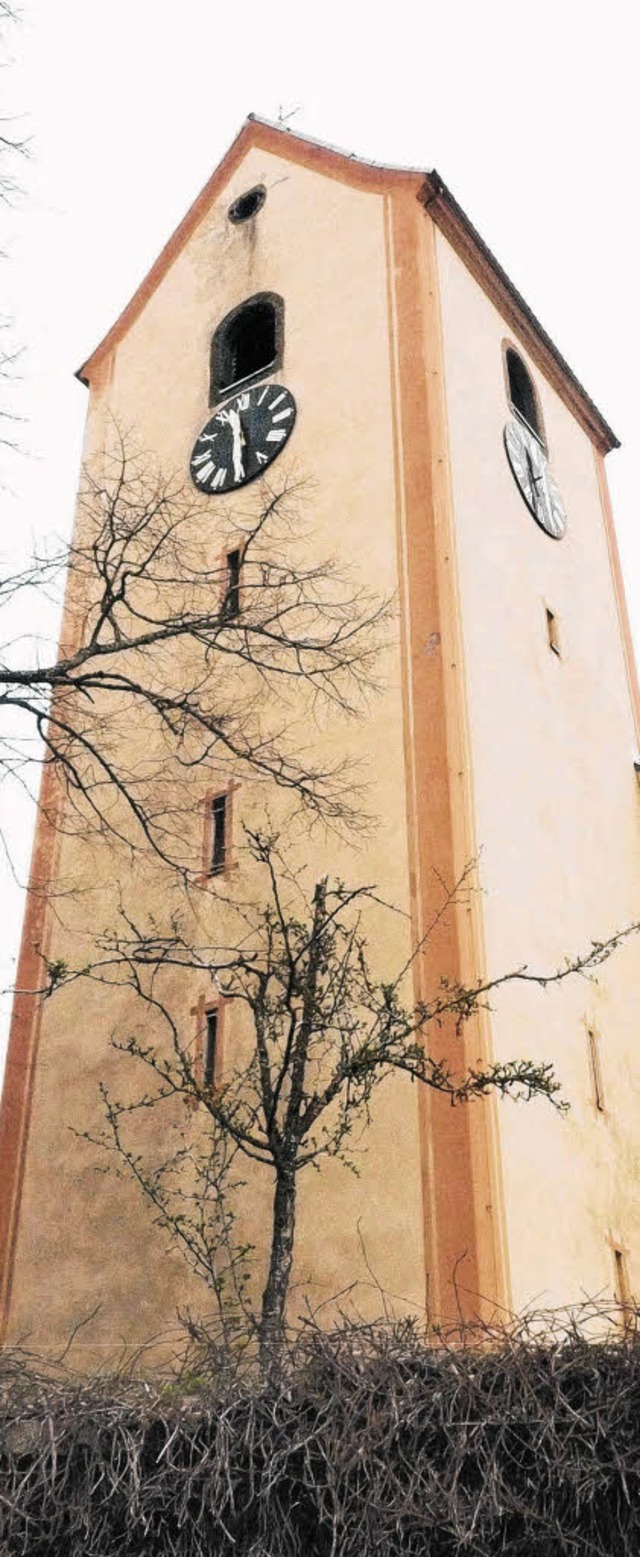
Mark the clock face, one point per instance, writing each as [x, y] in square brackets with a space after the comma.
[534, 479]
[243, 437]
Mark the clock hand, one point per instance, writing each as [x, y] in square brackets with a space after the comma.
[230, 416]
[238, 440]
[533, 480]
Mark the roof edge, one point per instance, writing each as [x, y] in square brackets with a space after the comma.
[432, 192]
[465, 238]
[271, 137]
[392, 168]
[167, 254]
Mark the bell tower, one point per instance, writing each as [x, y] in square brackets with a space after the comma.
[344, 323]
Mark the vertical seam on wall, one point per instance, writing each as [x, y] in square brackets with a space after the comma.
[24, 1034]
[24, 1031]
[461, 772]
[425, 1134]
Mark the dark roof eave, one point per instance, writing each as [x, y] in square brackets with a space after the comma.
[456, 226]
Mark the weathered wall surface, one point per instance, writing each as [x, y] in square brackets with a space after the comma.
[320, 244]
[480, 740]
[556, 808]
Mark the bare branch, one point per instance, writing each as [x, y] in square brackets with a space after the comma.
[151, 646]
[325, 1032]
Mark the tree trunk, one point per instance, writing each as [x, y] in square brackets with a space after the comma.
[271, 1331]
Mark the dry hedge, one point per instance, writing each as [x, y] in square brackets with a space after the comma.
[371, 1441]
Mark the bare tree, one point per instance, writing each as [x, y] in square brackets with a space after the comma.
[171, 674]
[13, 149]
[12, 146]
[323, 1034]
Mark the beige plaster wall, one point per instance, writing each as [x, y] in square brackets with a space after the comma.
[537, 774]
[549, 767]
[321, 245]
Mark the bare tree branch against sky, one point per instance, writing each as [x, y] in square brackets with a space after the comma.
[531, 118]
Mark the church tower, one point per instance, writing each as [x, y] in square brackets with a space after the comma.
[453, 461]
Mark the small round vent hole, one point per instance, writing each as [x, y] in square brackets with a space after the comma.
[248, 205]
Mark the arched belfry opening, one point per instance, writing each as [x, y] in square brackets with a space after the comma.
[522, 394]
[246, 344]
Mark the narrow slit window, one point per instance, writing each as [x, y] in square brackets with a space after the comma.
[553, 632]
[522, 393]
[247, 344]
[621, 1286]
[210, 1045]
[232, 592]
[596, 1069]
[218, 834]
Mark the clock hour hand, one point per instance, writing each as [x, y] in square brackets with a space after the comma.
[533, 479]
[232, 418]
[238, 440]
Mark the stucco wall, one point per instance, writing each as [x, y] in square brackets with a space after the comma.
[556, 809]
[493, 744]
[320, 244]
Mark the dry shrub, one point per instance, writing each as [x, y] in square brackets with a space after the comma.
[372, 1439]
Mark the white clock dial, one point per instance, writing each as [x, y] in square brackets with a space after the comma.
[538, 487]
[243, 437]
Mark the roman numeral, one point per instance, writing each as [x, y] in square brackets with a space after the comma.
[263, 459]
[264, 393]
[282, 414]
[277, 400]
[276, 435]
[200, 458]
[220, 477]
[204, 474]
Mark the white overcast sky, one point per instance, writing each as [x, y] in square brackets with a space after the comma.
[528, 112]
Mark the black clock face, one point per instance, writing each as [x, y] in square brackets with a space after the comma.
[537, 485]
[243, 437]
